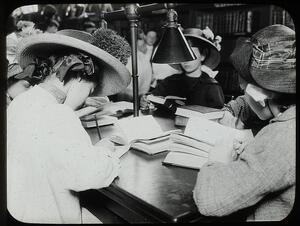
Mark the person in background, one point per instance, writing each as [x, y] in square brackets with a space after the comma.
[196, 83]
[89, 27]
[47, 14]
[145, 45]
[16, 83]
[247, 117]
[261, 175]
[52, 27]
[50, 157]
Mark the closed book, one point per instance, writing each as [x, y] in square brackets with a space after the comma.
[152, 148]
[180, 138]
[177, 147]
[101, 121]
[199, 111]
[184, 160]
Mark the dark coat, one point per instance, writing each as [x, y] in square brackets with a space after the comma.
[203, 90]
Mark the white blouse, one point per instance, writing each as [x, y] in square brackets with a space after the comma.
[50, 158]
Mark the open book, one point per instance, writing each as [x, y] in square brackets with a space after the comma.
[200, 137]
[183, 113]
[162, 100]
[142, 133]
[107, 114]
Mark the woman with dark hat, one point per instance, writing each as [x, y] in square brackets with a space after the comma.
[50, 157]
[196, 83]
[261, 174]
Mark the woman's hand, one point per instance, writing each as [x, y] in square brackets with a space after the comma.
[96, 101]
[144, 102]
[105, 142]
[229, 120]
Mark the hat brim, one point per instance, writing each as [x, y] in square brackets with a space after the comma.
[281, 84]
[240, 58]
[114, 77]
[211, 61]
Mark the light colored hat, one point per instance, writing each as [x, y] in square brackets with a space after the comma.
[202, 38]
[114, 75]
[268, 59]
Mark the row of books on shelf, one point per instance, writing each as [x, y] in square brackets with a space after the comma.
[281, 16]
[229, 22]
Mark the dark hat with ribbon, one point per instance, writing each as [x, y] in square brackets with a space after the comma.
[108, 50]
[268, 59]
[204, 38]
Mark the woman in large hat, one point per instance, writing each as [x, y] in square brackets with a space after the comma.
[50, 157]
[261, 174]
[196, 83]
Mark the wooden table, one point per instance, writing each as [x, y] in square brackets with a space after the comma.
[145, 190]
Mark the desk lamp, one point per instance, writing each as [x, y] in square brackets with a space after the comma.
[172, 47]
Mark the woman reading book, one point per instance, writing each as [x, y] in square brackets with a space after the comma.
[50, 157]
[261, 174]
[196, 83]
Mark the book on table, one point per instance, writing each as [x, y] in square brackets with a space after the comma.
[162, 100]
[183, 113]
[142, 133]
[191, 149]
[168, 103]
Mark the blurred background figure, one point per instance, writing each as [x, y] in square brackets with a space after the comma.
[48, 16]
[145, 46]
[52, 26]
[89, 27]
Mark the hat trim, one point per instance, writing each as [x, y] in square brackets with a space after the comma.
[26, 44]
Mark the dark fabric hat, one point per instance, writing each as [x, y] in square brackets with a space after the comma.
[110, 56]
[200, 39]
[268, 59]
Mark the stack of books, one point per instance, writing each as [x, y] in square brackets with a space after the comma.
[192, 148]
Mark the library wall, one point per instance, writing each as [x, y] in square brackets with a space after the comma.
[230, 21]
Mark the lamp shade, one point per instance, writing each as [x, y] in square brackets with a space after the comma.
[173, 48]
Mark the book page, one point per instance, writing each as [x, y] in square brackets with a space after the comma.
[210, 132]
[220, 136]
[152, 148]
[142, 127]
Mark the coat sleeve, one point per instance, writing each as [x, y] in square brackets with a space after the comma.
[169, 86]
[215, 96]
[263, 168]
[76, 163]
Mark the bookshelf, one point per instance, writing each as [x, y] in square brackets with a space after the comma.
[232, 21]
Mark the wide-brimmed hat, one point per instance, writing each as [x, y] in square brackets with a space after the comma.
[200, 38]
[268, 59]
[114, 75]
